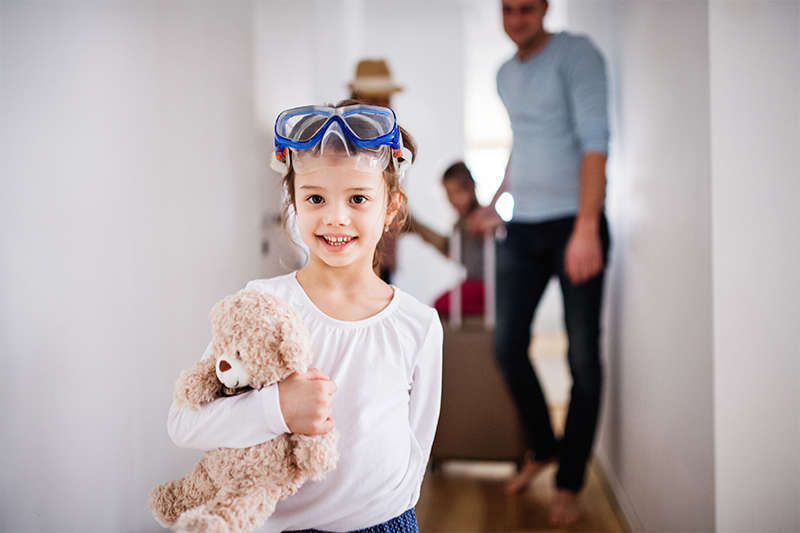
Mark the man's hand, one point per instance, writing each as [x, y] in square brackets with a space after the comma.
[483, 220]
[306, 402]
[583, 257]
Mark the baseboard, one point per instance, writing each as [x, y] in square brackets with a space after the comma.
[618, 495]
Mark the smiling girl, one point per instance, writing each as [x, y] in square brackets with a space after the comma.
[376, 350]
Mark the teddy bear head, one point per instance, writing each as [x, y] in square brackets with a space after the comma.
[257, 340]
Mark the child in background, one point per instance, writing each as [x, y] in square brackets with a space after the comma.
[376, 350]
[460, 187]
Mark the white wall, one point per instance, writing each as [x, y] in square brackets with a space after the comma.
[656, 439]
[130, 203]
[700, 429]
[755, 124]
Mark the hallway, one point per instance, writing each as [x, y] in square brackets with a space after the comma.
[467, 496]
[135, 153]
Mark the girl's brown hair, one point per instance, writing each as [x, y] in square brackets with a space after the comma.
[390, 177]
[460, 173]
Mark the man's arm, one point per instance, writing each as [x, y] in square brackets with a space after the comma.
[503, 185]
[586, 81]
[592, 189]
[583, 257]
[486, 219]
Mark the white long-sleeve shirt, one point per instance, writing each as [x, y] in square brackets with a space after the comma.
[388, 371]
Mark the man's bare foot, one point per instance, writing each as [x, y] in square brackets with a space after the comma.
[564, 510]
[524, 477]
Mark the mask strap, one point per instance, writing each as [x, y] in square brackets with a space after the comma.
[280, 163]
[399, 162]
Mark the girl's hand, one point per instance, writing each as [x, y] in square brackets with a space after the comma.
[306, 402]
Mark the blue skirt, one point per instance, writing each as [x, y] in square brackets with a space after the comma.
[405, 523]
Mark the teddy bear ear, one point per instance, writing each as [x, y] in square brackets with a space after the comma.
[227, 312]
[218, 312]
[295, 346]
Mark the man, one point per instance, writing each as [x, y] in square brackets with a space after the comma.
[373, 85]
[554, 89]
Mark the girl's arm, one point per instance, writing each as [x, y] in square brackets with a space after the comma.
[426, 391]
[235, 422]
[440, 242]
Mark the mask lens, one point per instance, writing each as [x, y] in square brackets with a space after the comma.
[369, 123]
[301, 126]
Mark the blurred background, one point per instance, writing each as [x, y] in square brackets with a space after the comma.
[135, 140]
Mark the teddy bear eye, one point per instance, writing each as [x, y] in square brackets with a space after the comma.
[237, 353]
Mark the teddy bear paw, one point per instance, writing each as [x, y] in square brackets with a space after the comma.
[199, 520]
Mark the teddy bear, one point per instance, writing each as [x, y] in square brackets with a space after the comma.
[257, 340]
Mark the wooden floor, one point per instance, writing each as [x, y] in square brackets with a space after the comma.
[465, 497]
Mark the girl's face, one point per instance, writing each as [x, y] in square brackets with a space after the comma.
[462, 198]
[341, 213]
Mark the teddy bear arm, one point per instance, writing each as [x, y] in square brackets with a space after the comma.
[317, 455]
[232, 511]
[198, 385]
[169, 500]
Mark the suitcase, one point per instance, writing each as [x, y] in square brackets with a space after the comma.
[478, 419]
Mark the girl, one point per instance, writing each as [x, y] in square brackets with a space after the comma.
[376, 350]
[460, 187]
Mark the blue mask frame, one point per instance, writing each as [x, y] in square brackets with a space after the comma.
[337, 115]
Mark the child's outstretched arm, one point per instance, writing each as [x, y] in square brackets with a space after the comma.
[426, 391]
[235, 422]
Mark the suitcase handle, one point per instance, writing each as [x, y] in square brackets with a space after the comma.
[456, 318]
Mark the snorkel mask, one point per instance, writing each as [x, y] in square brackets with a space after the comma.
[311, 137]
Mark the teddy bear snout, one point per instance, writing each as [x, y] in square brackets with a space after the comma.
[231, 371]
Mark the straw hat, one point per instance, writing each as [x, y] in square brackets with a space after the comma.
[373, 77]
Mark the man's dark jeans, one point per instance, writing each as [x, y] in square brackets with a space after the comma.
[526, 259]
